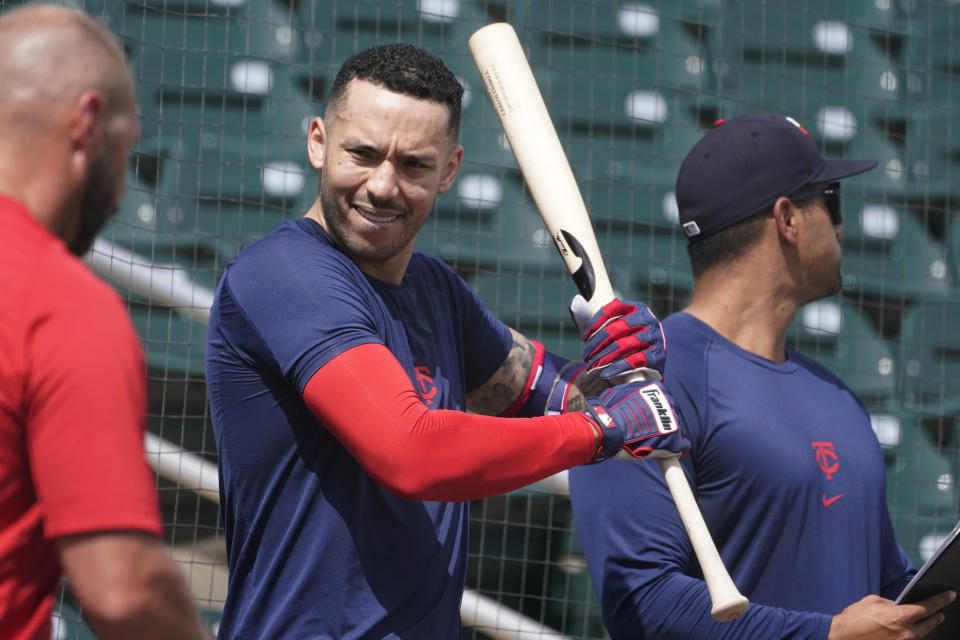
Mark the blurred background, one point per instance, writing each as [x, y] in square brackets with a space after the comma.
[226, 91]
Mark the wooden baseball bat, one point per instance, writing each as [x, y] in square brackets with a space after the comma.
[513, 90]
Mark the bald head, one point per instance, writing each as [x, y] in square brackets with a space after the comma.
[67, 119]
[50, 55]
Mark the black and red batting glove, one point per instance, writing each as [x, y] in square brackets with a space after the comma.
[621, 337]
[637, 420]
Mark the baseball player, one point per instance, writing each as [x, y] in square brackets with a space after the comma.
[341, 364]
[783, 460]
[76, 494]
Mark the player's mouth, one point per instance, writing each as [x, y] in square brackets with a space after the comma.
[376, 216]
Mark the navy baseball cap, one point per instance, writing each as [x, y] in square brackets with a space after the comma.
[742, 165]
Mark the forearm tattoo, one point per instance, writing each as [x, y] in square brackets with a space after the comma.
[507, 383]
[587, 384]
[576, 403]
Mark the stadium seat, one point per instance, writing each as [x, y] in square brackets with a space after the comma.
[921, 480]
[582, 103]
[889, 180]
[920, 535]
[488, 222]
[217, 197]
[650, 264]
[627, 181]
[185, 93]
[536, 306]
[953, 248]
[140, 227]
[933, 71]
[848, 95]
[639, 268]
[259, 28]
[835, 67]
[816, 32]
[401, 20]
[615, 67]
[930, 353]
[485, 146]
[887, 253]
[330, 49]
[632, 43]
[932, 54]
[442, 27]
[920, 477]
[802, 60]
[627, 176]
[173, 343]
[604, 21]
[933, 159]
[837, 335]
[134, 225]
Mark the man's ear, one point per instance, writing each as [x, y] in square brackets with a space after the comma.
[786, 215]
[85, 116]
[317, 143]
[451, 168]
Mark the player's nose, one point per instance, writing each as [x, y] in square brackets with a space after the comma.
[382, 183]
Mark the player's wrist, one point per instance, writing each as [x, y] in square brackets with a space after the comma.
[610, 434]
[597, 450]
[563, 388]
[636, 420]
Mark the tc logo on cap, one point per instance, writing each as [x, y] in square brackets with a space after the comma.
[691, 229]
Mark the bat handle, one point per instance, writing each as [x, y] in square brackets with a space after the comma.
[728, 602]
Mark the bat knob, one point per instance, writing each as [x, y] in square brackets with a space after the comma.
[729, 609]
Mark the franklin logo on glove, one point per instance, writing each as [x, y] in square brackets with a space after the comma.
[661, 408]
[637, 421]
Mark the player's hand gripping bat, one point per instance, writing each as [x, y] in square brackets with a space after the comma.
[511, 86]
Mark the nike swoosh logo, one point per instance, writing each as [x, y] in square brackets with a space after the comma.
[829, 501]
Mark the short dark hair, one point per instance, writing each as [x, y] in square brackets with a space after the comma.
[402, 68]
[726, 244]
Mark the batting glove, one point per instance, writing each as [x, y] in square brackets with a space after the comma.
[637, 420]
[620, 338]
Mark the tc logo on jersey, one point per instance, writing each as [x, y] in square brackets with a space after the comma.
[826, 458]
[425, 385]
[829, 464]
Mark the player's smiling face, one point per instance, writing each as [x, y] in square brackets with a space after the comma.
[383, 159]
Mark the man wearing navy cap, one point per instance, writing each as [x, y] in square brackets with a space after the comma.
[785, 465]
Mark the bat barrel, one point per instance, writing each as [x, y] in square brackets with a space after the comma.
[513, 90]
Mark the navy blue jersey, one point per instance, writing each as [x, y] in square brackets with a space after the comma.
[791, 481]
[316, 548]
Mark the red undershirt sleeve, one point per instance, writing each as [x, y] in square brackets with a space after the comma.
[365, 399]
